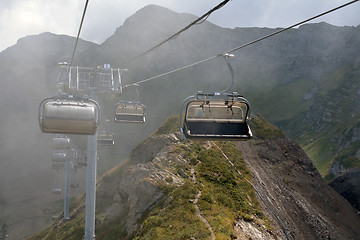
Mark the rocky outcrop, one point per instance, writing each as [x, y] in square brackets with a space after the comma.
[288, 186]
[129, 194]
[293, 193]
[348, 186]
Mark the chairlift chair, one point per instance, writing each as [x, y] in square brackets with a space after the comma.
[56, 191]
[81, 161]
[131, 112]
[216, 115]
[69, 115]
[81, 164]
[59, 157]
[105, 138]
[61, 143]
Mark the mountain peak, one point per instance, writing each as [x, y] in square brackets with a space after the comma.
[152, 16]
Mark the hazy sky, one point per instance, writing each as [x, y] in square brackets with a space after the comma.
[19, 18]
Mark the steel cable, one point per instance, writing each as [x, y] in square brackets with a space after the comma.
[242, 46]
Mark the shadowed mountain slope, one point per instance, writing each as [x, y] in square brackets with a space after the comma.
[169, 186]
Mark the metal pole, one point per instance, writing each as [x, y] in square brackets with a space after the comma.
[90, 187]
[66, 193]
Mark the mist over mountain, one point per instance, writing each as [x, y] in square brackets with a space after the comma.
[171, 188]
[305, 81]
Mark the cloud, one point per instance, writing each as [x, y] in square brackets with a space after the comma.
[19, 18]
[22, 18]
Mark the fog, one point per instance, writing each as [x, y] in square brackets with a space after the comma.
[21, 18]
[29, 74]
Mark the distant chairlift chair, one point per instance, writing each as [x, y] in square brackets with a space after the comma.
[130, 112]
[106, 137]
[61, 142]
[58, 159]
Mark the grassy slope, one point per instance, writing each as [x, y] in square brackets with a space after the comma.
[285, 106]
[226, 196]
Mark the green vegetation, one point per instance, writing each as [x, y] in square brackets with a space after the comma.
[272, 104]
[113, 229]
[227, 194]
[225, 197]
[169, 126]
[321, 116]
[347, 158]
[71, 230]
[263, 129]
[175, 217]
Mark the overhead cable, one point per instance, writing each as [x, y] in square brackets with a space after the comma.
[243, 46]
[78, 35]
[292, 26]
[197, 21]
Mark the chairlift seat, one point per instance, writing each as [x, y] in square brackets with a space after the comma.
[61, 143]
[105, 138]
[216, 117]
[69, 115]
[216, 129]
[130, 112]
[81, 164]
[56, 191]
[59, 157]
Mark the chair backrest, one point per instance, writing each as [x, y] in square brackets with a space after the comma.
[130, 112]
[70, 116]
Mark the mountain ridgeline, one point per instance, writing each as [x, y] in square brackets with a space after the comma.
[305, 81]
[172, 188]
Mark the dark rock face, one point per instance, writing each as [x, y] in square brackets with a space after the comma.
[299, 204]
[348, 186]
[296, 198]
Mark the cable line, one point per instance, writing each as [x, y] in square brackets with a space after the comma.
[292, 26]
[197, 21]
[78, 35]
[242, 46]
[167, 73]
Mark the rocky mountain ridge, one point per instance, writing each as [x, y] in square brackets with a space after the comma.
[304, 80]
[348, 185]
[157, 196]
